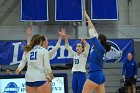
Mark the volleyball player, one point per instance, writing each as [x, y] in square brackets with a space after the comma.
[99, 46]
[38, 72]
[79, 63]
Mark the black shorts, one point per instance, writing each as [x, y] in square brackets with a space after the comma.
[35, 84]
[129, 81]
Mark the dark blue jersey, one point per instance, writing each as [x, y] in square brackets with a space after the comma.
[96, 55]
[130, 68]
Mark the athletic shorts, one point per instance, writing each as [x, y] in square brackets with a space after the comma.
[97, 77]
[129, 81]
[35, 84]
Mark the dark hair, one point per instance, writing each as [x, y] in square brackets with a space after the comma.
[102, 39]
[43, 38]
[107, 46]
[104, 42]
[35, 41]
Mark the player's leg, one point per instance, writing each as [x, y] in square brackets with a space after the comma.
[74, 82]
[81, 81]
[89, 86]
[100, 89]
[30, 88]
[45, 88]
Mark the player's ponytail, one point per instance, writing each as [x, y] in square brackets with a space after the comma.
[107, 47]
[35, 41]
[104, 42]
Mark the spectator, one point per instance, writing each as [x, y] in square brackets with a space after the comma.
[130, 72]
[8, 72]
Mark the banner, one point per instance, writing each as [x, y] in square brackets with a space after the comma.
[119, 50]
[16, 83]
[11, 51]
[104, 10]
[34, 10]
[68, 10]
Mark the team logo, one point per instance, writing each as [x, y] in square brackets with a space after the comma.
[114, 55]
[132, 64]
[11, 88]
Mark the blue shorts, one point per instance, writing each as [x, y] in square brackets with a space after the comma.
[35, 84]
[97, 77]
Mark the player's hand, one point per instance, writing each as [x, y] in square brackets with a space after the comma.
[85, 13]
[17, 72]
[82, 39]
[50, 77]
[86, 16]
[62, 32]
[28, 31]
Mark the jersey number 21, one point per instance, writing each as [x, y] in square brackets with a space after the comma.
[33, 55]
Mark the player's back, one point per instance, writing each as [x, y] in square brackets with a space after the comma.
[35, 61]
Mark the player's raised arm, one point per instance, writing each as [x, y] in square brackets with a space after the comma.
[28, 34]
[87, 46]
[67, 44]
[51, 52]
[92, 30]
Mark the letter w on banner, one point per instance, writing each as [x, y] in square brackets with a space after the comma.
[34, 10]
